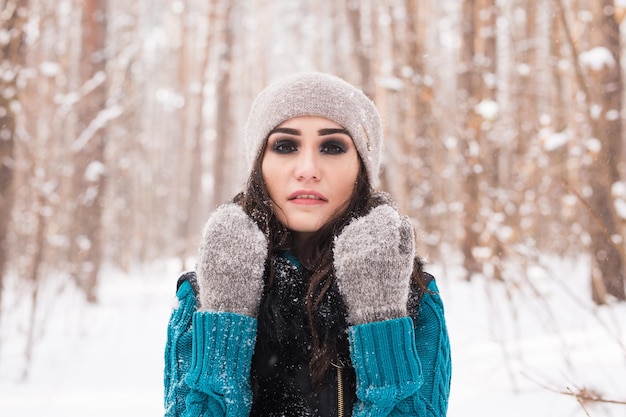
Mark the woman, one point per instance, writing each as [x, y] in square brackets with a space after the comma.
[307, 299]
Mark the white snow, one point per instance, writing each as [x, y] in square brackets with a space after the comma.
[524, 69]
[612, 115]
[49, 68]
[89, 360]
[618, 189]
[553, 140]
[5, 134]
[94, 170]
[596, 58]
[594, 145]
[97, 123]
[488, 109]
[620, 207]
[390, 82]
[511, 348]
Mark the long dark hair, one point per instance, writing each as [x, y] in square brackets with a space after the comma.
[315, 254]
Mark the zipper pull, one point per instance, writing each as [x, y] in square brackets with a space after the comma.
[340, 405]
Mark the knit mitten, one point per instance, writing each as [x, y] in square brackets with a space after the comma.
[232, 262]
[373, 259]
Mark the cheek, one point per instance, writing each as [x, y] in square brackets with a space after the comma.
[348, 178]
[268, 172]
[271, 177]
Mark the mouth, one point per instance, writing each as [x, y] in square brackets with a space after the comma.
[306, 197]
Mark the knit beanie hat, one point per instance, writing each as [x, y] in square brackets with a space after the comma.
[323, 95]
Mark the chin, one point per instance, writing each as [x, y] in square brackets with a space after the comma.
[308, 226]
[304, 229]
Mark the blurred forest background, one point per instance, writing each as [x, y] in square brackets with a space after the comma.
[120, 125]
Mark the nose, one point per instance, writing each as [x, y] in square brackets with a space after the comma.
[307, 167]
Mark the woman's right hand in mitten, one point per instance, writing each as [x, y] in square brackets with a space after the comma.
[232, 262]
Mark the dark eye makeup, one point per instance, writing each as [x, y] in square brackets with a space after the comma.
[284, 146]
[330, 146]
[333, 147]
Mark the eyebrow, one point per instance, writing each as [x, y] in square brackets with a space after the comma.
[326, 132]
[285, 130]
[321, 132]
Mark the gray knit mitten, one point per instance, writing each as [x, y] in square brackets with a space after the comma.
[232, 261]
[373, 259]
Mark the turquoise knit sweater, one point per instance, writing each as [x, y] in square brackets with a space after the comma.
[402, 366]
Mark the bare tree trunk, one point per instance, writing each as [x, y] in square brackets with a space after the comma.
[362, 48]
[469, 125]
[525, 54]
[478, 87]
[182, 193]
[224, 137]
[195, 173]
[607, 251]
[420, 130]
[489, 149]
[559, 109]
[37, 263]
[125, 233]
[400, 134]
[192, 127]
[12, 19]
[89, 175]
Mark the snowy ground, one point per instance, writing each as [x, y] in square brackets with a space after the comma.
[510, 347]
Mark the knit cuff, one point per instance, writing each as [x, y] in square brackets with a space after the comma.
[223, 344]
[385, 359]
[370, 314]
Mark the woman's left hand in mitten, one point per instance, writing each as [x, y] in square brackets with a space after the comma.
[373, 259]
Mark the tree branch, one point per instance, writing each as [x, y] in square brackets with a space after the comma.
[582, 395]
[594, 215]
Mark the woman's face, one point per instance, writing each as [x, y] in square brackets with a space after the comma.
[310, 167]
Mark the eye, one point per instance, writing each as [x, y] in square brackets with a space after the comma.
[333, 147]
[284, 146]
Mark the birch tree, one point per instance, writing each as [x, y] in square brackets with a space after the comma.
[12, 19]
[88, 149]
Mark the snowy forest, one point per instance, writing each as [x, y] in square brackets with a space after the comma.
[120, 130]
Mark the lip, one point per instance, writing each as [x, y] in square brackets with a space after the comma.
[307, 197]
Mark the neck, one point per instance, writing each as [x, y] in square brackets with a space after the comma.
[299, 242]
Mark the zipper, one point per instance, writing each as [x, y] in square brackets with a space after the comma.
[340, 405]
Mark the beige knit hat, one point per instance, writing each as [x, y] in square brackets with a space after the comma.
[323, 95]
